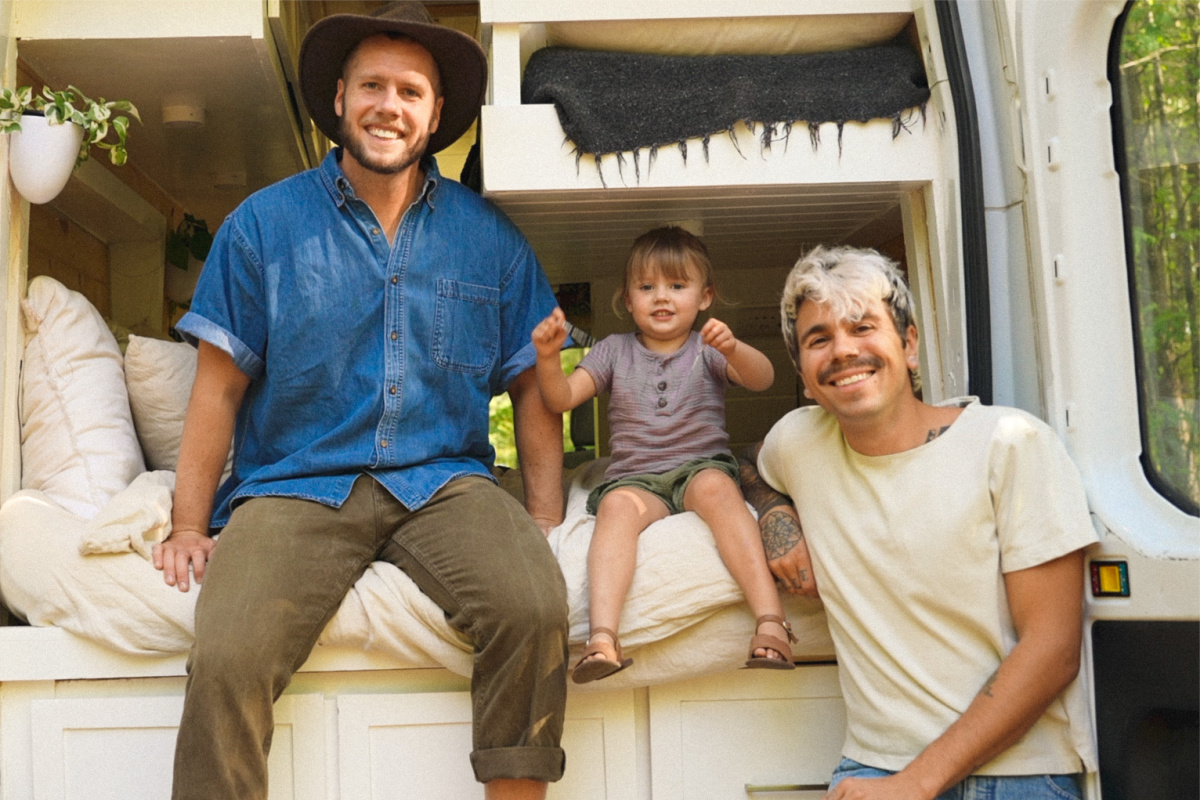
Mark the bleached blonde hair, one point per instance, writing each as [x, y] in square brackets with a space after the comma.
[847, 279]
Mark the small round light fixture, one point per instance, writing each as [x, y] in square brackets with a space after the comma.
[183, 110]
[229, 179]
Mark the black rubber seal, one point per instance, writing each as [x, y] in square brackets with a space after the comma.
[976, 293]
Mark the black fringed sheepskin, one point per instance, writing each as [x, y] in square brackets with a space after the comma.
[623, 103]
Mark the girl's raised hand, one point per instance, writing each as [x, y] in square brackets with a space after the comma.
[550, 333]
[716, 334]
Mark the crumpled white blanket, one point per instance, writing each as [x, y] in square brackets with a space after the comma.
[684, 616]
[134, 520]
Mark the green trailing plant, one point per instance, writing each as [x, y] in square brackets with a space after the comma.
[96, 117]
[190, 237]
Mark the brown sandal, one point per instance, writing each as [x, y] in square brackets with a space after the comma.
[589, 669]
[766, 641]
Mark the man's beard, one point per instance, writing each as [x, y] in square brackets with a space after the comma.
[355, 148]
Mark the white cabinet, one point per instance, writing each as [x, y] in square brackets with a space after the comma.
[416, 746]
[100, 748]
[752, 733]
[81, 723]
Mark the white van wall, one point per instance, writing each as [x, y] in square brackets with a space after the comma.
[14, 230]
[1057, 254]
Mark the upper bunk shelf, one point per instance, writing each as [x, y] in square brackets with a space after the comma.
[524, 147]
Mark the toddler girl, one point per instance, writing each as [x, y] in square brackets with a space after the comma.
[670, 450]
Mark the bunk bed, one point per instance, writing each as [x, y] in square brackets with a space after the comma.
[91, 691]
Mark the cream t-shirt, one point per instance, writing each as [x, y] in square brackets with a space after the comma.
[909, 551]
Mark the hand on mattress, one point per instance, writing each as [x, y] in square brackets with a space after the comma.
[779, 524]
[787, 551]
[181, 550]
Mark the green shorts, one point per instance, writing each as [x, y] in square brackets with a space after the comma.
[667, 486]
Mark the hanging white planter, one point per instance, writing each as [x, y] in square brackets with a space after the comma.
[42, 156]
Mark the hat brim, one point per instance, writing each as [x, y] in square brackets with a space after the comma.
[461, 63]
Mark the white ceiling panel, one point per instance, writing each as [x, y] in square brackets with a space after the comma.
[583, 235]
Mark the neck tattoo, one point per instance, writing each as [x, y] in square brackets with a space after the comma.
[936, 432]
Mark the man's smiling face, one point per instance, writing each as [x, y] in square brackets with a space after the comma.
[858, 370]
[389, 104]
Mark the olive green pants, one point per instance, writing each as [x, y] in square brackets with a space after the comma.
[278, 575]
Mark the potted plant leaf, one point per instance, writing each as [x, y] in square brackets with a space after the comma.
[187, 248]
[51, 134]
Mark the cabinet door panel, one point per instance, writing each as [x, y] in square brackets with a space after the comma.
[123, 748]
[417, 747]
[769, 734]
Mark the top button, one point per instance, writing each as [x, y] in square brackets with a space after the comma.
[375, 231]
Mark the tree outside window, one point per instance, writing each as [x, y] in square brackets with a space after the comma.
[1158, 82]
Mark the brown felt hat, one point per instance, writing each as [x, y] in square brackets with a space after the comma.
[460, 60]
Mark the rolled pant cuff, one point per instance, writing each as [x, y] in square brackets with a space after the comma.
[535, 763]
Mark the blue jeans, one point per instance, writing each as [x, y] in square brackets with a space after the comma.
[982, 787]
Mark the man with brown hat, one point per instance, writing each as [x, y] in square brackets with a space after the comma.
[353, 322]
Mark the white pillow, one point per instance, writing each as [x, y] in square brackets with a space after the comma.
[78, 445]
[159, 376]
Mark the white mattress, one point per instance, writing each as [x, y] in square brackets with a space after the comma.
[684, 616]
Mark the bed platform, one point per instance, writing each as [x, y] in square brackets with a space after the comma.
[81, 721]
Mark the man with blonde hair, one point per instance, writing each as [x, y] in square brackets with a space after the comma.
[947, 543]
[353, 321]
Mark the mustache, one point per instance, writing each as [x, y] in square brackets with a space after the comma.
[874, 362]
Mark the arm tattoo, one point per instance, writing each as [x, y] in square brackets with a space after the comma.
[780, 533]
[936, 432]
[754, 488]
[987, 686]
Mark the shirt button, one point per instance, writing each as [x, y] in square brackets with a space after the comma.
[375, 231]
[383, 442]
[395, 280]
[662, 385]
[662, 402]
[391, 390]
[395, 336]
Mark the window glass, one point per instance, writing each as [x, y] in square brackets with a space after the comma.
[500, 418]
[1157, 76]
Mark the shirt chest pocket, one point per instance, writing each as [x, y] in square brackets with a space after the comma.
[466, 326]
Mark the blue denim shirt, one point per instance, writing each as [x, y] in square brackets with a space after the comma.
[365, 357]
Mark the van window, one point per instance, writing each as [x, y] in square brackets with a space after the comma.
[500, 417]
[1155, 71]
